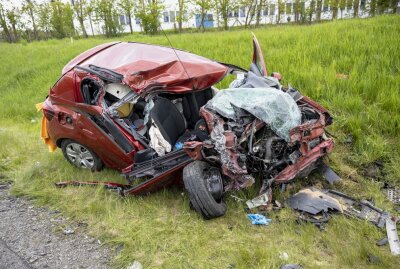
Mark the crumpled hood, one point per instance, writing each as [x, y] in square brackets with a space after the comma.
[150, 68]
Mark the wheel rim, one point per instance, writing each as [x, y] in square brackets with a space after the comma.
[80, 156]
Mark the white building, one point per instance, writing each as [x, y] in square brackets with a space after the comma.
[237, 16]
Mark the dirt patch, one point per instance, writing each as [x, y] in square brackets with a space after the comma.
[46, 239]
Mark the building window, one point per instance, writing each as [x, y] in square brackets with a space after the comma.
[272, 9]
[166, 16]
[325, 7]
[230, 14]
[236, 13]
[122, 20]
[242, 12]
[172, 16]
[265, 11]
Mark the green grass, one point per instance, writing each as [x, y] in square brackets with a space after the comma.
[160, 230]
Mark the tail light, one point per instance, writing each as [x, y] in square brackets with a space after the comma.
[48, 113]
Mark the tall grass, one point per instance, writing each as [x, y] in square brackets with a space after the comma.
[160, 230]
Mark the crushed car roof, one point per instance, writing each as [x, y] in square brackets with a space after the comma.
[146, 66]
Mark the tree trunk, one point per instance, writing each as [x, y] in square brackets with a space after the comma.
[33, 23]
[91, 24]
[3, 25]
[318, 13]
[15, 33]
[83, 27]
[130, 23]
[355, 5]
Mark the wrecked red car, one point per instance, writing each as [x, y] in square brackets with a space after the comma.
[154, 113]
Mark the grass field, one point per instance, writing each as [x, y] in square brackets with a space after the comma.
[160, 230]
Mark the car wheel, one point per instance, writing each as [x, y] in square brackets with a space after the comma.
[80, 156]
[204, 185]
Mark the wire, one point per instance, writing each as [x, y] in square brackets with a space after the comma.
[187, 74]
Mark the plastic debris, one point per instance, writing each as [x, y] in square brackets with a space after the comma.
[392, 236]
[135, 265]
[258, 219]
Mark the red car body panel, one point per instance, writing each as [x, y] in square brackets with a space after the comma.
[83, 56]
[145, 65]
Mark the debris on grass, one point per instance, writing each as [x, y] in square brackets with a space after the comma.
[392, 193]
[393, 236]
[342, 76]
[258, 219]
[316, 204]
[68, 230]
[291, 266]
[382, 242]
[135, 265]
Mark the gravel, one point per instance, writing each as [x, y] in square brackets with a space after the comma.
[34, 237]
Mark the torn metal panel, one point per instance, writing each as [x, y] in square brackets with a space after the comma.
[232, 161]
[313, 201]
[360, 209]
[328, 173]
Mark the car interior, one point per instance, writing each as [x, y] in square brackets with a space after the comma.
[175, 115]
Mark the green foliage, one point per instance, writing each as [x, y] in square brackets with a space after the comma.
[160, 230]
[149, 11]
[61, 19]
[106, 12]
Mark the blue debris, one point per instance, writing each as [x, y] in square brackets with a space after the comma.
[178, 145]
[258, 219]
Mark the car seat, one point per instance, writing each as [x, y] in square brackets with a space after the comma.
[171, 122]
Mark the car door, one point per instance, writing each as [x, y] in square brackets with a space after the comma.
[258, 64]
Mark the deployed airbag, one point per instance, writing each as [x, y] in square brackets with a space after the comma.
[273, 106]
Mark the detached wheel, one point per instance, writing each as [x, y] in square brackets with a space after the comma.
[80, 156]
[204, 185]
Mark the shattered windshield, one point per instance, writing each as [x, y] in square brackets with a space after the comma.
[274, 107]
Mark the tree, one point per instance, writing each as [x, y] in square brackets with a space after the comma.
[372, 8]
[105, 12]
[13, 17]
[223, 7]
[318, 11]
[127, 7]
[355, 8]
[61, 19]
[334, 7]
[342, 6]
[181, 17]
[89, 11]
[44, 16]
[310, 10]
[80, 7]
[201, 8]
[260, 7]
[281, 8]
[4, 25]
[30, 8]
[149, 12]
[297, 10]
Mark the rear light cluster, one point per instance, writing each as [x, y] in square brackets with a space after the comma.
[49, 114]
